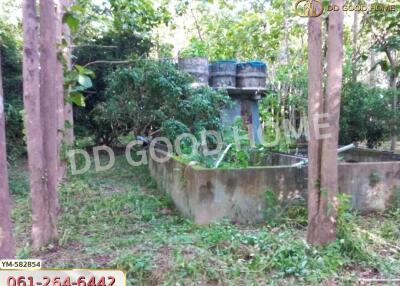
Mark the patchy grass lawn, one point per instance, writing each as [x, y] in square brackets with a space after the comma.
[118, 219]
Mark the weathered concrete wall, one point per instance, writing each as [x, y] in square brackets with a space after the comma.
[274, 159]
[207, 195]
[371, 185]
[359, 155]
[368, 155]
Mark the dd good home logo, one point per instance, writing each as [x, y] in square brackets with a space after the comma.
[309, 8]
[315, 8]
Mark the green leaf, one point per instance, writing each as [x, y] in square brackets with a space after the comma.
[85, 81]
[384, 66]
[78, 88]
[71, 21]
[84, 71]
[77, 98]
[397, 70]
[77, 8]
[68, 124]
[70, 77]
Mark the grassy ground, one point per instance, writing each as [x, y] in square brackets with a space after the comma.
[118, 219]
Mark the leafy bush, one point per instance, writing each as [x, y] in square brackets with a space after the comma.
[110, 46]
[196, 48]
[366, 114]
[11, 65]
[155, 96]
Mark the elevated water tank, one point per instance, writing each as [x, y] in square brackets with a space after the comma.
[197, 67]
[251, 74]
[223, 74]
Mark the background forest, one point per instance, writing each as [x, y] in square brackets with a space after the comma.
[113, 38]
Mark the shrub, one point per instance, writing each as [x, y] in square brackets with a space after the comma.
[153, 96]
[366, 114]
[11, 64]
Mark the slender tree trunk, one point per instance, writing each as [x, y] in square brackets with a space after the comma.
[7, 246]
[286, 32]
[322, 169]
[60, 92]
[48, 105]
[392, 84]
[323, 174]
[372, 73]
[286, 85]
[354, 44]
[41, 224]
[315, 108]
[393, 140]
[329, 166]
[68, 110]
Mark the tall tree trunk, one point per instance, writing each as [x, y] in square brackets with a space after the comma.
[372, 73]
[7, 246]
[68, 110]
[59, 75]
[323, 174]
[392, 84]
[286, 32]
[393, 140]
[315, 108]
[354, 44]
[48, 105]
[41, 224]
[329, 157]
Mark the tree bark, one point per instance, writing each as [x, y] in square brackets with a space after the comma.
[59, 74]
[286, 32]
[7, 245]
[392, 84]
[372, 73]
[48, 105]
[354, 44]
[315, 108]
[41, 224]
[329, 166]
[393, 139]
[323, 169]
[68, 110]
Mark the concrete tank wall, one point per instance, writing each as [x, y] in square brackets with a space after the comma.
[207, 195]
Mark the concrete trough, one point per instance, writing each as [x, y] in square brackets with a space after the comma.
[371, 178]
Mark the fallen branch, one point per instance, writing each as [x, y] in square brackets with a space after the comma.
[109, 62]
[94, 46]
[378, 280]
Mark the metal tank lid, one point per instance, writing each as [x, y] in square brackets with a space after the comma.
[255, 64]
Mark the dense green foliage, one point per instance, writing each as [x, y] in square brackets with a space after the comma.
[252, 31]
[124, 34]
[11, 65]
[155, 95]
[117, 31]
[366, 114]
[244, 31]
[385, 31]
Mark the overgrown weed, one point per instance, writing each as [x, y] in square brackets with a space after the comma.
[118, 219]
